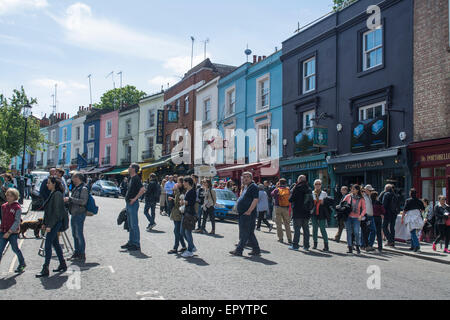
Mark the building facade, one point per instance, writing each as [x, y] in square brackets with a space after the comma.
[347, 98]
[127, 144]
[430, 152]
[92, 137]
[64, 147]
[109, 135]
[149, 149]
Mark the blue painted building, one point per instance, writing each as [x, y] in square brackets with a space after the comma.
[250, 103]
[65, 139]
[92, 137]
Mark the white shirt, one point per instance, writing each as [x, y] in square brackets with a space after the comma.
[369, 207]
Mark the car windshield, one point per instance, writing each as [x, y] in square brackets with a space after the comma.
[107, 184]
[225, 195]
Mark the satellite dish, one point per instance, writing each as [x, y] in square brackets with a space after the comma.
[248, 52]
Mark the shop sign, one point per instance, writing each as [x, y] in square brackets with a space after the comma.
[172, 116]
[364, 164]
[369, 135]
[305, 166]
[160, 127]
[304, 141]
[435, 157]
[320, 137]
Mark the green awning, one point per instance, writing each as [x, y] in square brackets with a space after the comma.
[115, 171]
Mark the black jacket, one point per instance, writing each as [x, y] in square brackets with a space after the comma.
[325, 209]
[153, 192]
[122, 218]
[390, 204]
[439, 214]
[297, 199]
[413, 204]
[55, 211]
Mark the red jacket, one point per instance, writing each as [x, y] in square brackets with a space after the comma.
[9, 212]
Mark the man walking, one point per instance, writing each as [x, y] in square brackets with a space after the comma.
[134, 191]
[281, 196]
[302, 203]
[168, 187]
[389, 202]
[151, 198]
[246, 207]
[77, 208]
[340, 219]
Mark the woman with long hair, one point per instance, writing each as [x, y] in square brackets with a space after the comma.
[353, 223]
[412, 217]
[176, 217]
[55, 220]
[441, 214]
[319, 215]
[208, 206]
[189, 212]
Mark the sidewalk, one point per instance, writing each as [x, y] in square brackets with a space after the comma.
[26, 206]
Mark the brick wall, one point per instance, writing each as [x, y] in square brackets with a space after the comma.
[431, 70]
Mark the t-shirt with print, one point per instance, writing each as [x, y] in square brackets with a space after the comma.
[245, 201]
[134, 186]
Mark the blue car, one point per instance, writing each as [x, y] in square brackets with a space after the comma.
[225, 207]
[105, 188]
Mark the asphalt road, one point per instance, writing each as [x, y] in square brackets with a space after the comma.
[279, 273]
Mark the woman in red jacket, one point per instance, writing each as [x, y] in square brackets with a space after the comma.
[353, 223]
[10, 226]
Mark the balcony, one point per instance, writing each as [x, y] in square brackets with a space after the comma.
[147, 155]
[39, 164]
[126, 161]
[106, 161]
[50, 162]
[92, 162]
[62, 162]
[74, 161]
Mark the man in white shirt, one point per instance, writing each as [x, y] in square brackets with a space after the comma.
[368, 226]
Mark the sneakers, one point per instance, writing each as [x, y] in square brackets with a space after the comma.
[74, 256]
[183, 250]
[126, 246]
[255, 254]
[293, 248]
[258, 229]
[236, 253]
[194, 250]
[187, 254]
[20, 268]
[173, 251]
[151, 226]
[134, 248]
[270, 228]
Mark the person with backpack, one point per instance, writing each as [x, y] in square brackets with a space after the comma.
[302, 204]
[442, 221]
[55, 220]
[412, 217]
[78, 207]
[390, 204]
[319, 215]
[152, 195]
[353, 224]
[281, 196]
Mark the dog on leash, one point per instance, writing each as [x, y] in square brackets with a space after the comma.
[36, 226]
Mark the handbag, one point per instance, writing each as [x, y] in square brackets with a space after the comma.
[189, 222]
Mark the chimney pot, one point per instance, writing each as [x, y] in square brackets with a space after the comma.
[254, 59]
[259, 58]
[264, 57]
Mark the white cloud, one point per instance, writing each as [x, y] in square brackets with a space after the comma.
[182, 64]
[16, 6]
[83, 29]
[62, 85]
[158, 81]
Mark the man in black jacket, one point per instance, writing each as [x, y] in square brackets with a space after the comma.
[151, 198]
[340, 219]
[390, 204]
[300, 213]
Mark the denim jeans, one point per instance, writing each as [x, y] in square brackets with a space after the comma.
[169, 204]
[414, 240]
[389, 228]
[51, 240]
[133, 223]
[372, 231]
[316, 223]
[15, 248]
[353, 226]
[212, 217]
[199, 217]
[378, 223]
[298, 224]
[152, 207]
[247, 233]
[178, 236]
[187, 234]
[77, 225]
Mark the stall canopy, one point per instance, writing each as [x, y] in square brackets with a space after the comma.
[141, 165]
[115, 171]
[162, 162]
[99, 170]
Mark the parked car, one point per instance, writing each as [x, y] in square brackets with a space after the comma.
[225, 207]
[105, 188]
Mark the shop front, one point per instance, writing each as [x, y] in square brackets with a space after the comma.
[313, 167]
[431, 168]
[265, 170]
[377, 168]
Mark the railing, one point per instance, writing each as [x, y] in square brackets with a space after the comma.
[62, 161]
[106, 160]
[91, 162]
[149, 154]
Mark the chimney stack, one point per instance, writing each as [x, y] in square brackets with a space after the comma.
[254, 59]
[259, 59]
[264, 57]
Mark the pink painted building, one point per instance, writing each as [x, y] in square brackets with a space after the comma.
[109, 132]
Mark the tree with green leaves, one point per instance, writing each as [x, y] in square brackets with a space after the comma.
[341, 4]
[12, 126]
[125, 96]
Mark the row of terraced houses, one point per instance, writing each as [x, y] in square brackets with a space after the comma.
[339, 101]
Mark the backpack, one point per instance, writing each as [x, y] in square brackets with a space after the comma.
[91, 208]
[308, 202]
[283, 197]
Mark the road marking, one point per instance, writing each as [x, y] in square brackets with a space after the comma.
[112, 269]
[150, 295]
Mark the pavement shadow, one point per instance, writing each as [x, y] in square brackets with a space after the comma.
[317, 254]
[368, 257]
[139, 255]
[54, 283]
[85, 266]
[432, 254]
[195, 260]
[261, 260]
[217, 236]
[155, 231]
[8, 282]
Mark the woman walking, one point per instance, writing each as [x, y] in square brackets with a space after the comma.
[263, 208]
[441, 216]
[162, 198]
[188, 220]
[427, 215]
[55, 220]
[413, 212]
[176, 216]
[208, 206]
[10, 226]
[378, 213]
[353, 223]
[319, 215]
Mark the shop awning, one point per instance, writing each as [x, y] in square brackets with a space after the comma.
[352, 157]
[163, 161]
[141, 166]
[86, 170]
[98, 170]
[115, 171]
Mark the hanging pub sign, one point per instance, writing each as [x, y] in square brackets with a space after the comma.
[304, 141]
[172, 116]
[369, 135]
[320, 137]
[160, 127]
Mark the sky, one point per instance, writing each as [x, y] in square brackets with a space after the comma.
[48, 42]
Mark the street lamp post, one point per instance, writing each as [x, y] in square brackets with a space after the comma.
[26, 114]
